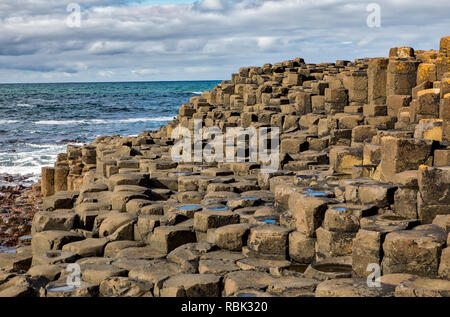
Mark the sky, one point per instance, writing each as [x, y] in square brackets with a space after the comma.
[152, 40]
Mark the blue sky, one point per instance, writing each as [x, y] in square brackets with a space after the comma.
[139, 40]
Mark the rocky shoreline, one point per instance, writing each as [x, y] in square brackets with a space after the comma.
[358, 204]
[18, 205]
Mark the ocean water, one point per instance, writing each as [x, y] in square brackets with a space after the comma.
[37, 121]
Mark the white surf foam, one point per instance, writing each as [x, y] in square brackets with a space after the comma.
[8, 121]
[51, 146]
[102, 121]
[33, 171]
[30, 162]
[131, 120]
[55, 122]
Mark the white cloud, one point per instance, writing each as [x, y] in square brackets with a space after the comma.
[198, 69]
[209, 39]
[106, 73]
[212, 4]
[146, 71]
[268, 42]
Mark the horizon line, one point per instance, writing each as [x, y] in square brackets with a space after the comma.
[110, 82]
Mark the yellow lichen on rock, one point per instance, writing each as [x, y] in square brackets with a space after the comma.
[426, 72]
[445, 45]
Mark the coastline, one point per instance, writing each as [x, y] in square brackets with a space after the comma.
[337, 197]
[38, 139]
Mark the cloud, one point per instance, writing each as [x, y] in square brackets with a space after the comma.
[203, 39]
[267, 42]
[197, 69]
[146, 71]
[106, 73]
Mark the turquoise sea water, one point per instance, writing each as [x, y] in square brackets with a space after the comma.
[37, 121]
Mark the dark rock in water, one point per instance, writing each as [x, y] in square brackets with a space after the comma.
[69, 141]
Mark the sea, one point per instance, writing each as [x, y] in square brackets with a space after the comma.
[38, 121]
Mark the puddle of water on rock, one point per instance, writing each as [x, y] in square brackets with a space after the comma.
[269, 220]
[62, 289]
[305, 176]
[7, 250]
[299, 268]
[219, 208]
[339, 208]
[189, 207]
[333, 268]
[249, 198]
[316, 194]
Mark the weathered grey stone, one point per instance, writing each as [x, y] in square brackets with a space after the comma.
[117, 286]
[333, 243]
[232, 237]
[241, 280]
[293, 287]
[54, 257]
[188, 255]
[269, 241]
[114, 221]
[87, 248]
[307, 212]
[444, 265]
[61, 289]
[415, 251]
[301, 247]
[155, 272]
[13, 261]
[112, 248]
[56, 220]
[352, 287]
[210, 219]
[423, 287]
[97, 273]
[168, 238]
[191, 285]
[52, 240]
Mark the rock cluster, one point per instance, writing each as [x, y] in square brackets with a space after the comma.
[363, 183]
[18, 204]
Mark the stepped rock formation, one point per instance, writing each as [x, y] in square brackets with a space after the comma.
[362, 182]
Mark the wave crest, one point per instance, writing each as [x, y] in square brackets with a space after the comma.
[102, 121]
